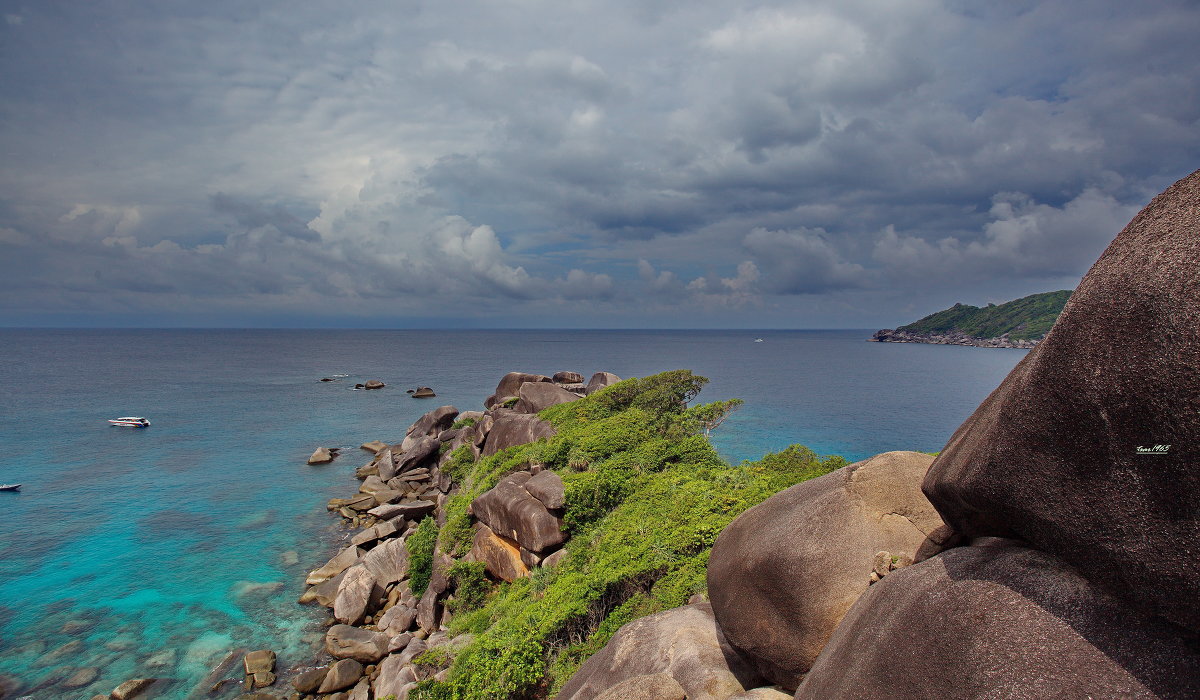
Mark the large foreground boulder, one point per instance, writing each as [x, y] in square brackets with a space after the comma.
[999, 621]
[784, 573]
[1089, 448]
[684, 643]
[512, 429]
[536, 396]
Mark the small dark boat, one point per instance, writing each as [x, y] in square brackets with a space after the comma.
[10, 487]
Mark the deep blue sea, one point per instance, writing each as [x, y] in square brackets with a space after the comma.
[155, 552]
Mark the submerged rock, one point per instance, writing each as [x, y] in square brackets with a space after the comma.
[131, 688]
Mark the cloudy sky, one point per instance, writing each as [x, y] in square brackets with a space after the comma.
[625, 163]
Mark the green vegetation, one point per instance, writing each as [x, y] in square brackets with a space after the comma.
[1027, 318]
[471, 586]
[420, 545]
[646, 498]
[463, 423]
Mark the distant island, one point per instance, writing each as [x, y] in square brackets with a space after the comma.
[1020, 323]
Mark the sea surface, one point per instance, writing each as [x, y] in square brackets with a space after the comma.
[156, 552]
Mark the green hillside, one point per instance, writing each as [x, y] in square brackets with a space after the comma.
[1027, 318]
[646, 496]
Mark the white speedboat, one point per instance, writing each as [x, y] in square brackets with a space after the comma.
[131, 422]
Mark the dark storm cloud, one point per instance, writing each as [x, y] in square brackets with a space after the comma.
[799, 163]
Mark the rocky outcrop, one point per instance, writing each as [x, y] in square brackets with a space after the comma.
[341, 675]
[340, 562]
[373, 384]
[547, 487]
[1088, 450]
[784, 573]
[395, 677]
[684, 643]
[321, 455]
[653, 686]
[511, 429]
[373, 446]
[347, 642]
[567, 378]
[429, 425]
[501, 555]
[509, 510]
[1000, 620]
[510, 386]
[358, 594]
[600, 380]
[421, 452]
[387, 562]
[259, 666]
[536, 396]
[889, 335]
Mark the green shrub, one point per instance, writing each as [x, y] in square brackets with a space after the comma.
[471, 586]
[463, 423]
[646, 498]
[420, 545]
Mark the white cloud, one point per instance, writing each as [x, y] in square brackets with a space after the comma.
[1023, 239]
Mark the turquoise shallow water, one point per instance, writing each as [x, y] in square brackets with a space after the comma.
[158, 551]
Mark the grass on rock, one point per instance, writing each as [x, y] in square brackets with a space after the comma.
[646, 498]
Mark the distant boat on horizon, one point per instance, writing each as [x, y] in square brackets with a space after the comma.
[130, 422]
[758, 340]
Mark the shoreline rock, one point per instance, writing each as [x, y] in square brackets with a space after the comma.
[890, 335]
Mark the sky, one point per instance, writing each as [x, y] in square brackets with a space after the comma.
[575, 164]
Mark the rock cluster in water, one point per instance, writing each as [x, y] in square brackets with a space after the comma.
[1048, 551]
[382, 626]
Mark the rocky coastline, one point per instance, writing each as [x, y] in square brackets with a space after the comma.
[1043, 553]
[890, 335]
[385, 631]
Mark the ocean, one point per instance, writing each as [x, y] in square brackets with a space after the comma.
[155, 552]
